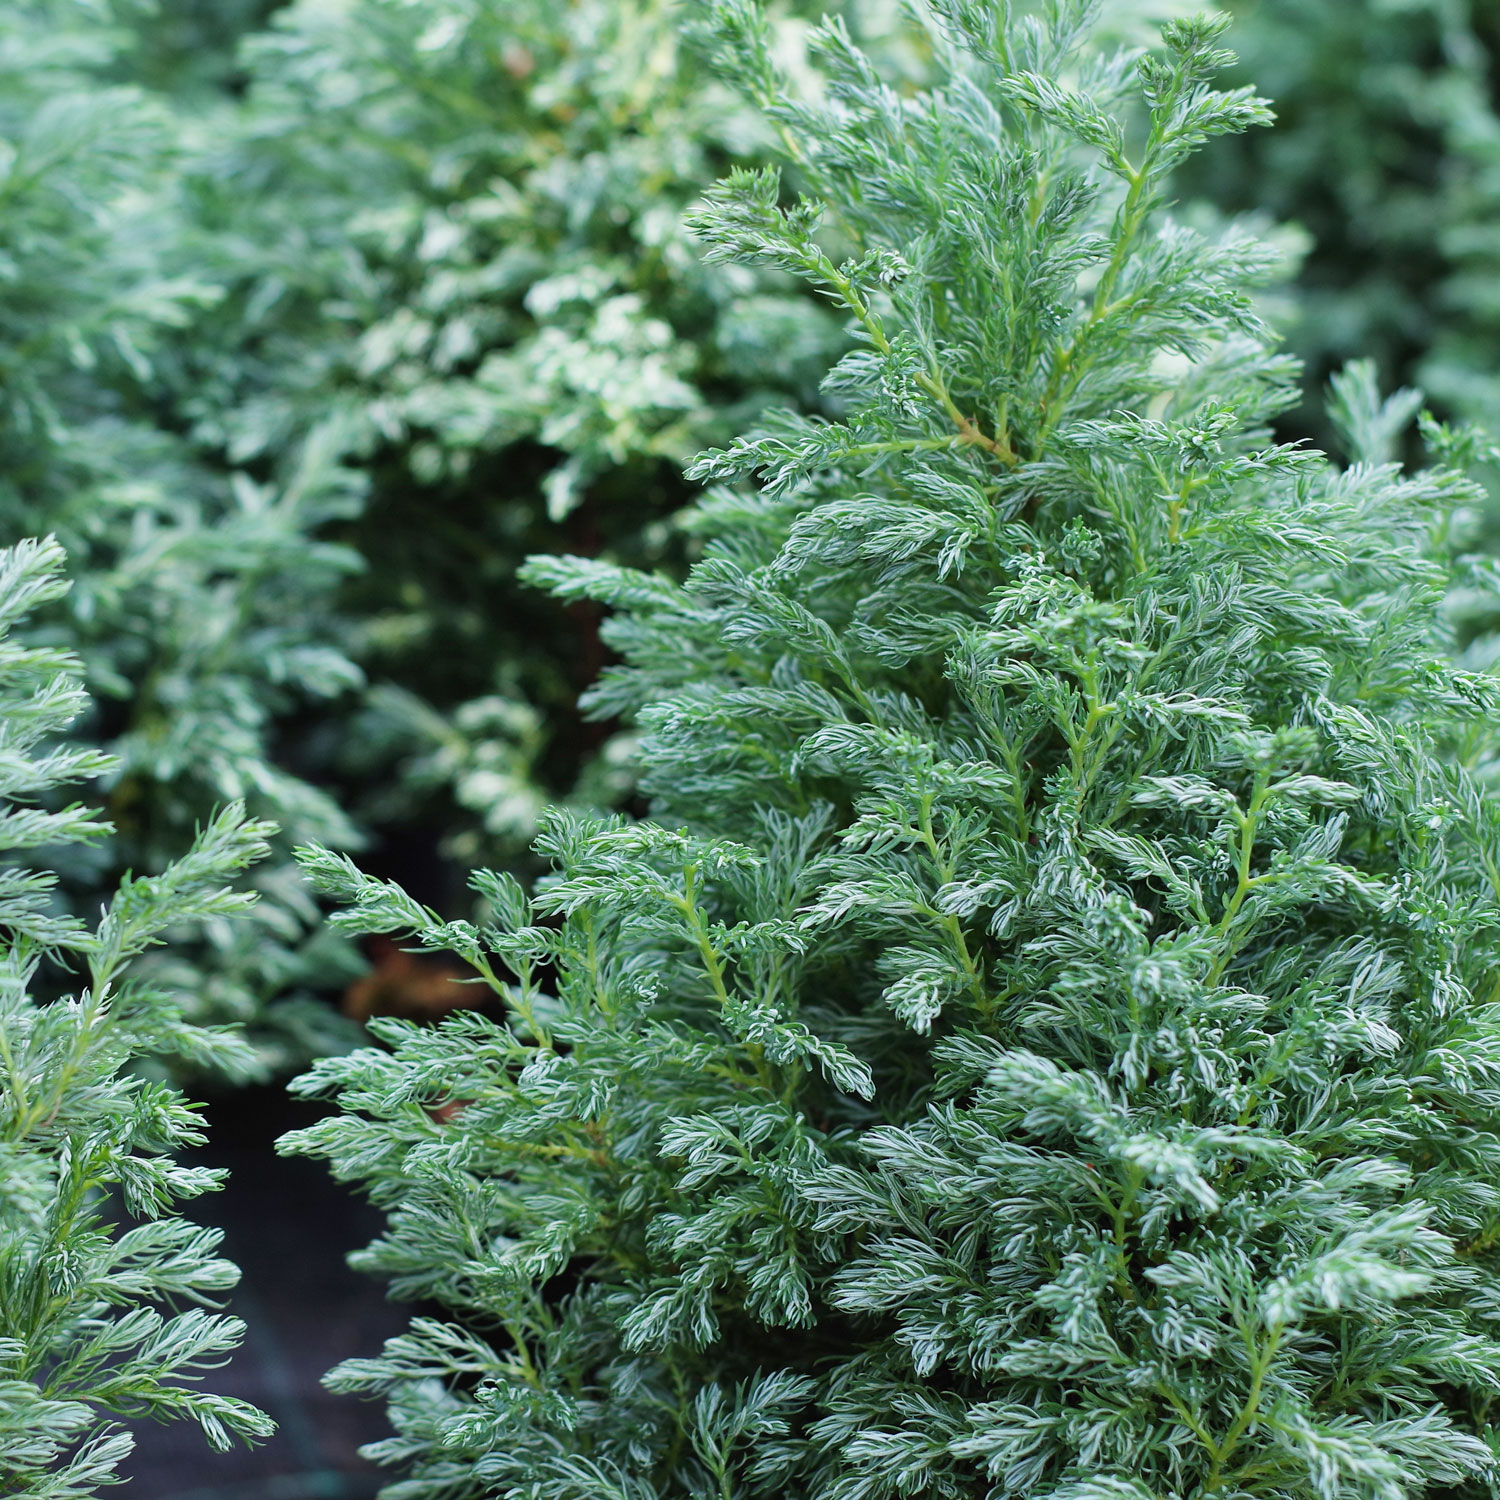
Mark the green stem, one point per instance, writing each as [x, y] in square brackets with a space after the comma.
[930, 380]
[1245, 882]
[1259, 1365]
[1070, 368]
[949, 922]
[687, 904]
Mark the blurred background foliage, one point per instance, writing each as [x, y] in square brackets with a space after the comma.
[204, 602]
[310, 336]
[449, 237]
[317, 318]
[1386, 154]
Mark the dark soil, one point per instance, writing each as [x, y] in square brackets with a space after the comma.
[288, 1226]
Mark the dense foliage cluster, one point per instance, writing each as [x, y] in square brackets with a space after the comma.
[1041, 1038]
[452, 244]
[89, 1331]
[1043, 1041]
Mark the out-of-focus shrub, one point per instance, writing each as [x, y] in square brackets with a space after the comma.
[1386, 151]
[203, 603]
[451, 235]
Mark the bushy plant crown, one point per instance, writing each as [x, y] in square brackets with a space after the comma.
[101, 1319]
[1044, 1042]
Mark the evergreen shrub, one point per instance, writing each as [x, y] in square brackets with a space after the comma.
[1044, 1041]
[204, 605]
[92, 1329]
[451, 235]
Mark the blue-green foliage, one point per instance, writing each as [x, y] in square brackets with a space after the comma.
[451, 237]
[1044, 1041]
[187, 49]
[101, 1319]
[203, 607]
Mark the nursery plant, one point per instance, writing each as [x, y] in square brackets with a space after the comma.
[451, 236]
[107, 1293]
[204, 600]
[1043, 1041]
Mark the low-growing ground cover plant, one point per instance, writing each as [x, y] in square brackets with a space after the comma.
[106, 1291]
[1043, 1042]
